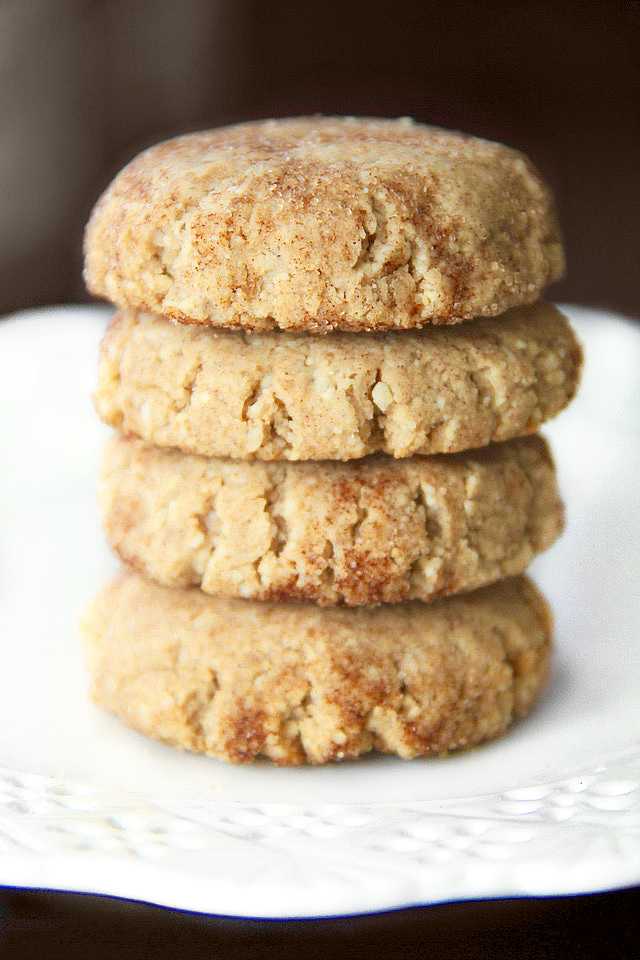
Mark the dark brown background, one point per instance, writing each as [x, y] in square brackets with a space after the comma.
[87, 83]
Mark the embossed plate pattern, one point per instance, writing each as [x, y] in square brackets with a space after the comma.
[87, 805]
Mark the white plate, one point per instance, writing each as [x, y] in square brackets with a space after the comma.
[88, 805]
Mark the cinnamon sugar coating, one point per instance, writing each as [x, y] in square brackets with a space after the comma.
[368, 531]
[237, 679]
[279, 396]
[319, 224]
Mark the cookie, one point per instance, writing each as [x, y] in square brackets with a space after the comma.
[279, 396]
[318, 224]
[237, 679]
[370, 531]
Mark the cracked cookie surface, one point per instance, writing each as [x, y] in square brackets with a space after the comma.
[279, 396]
[324, 223]
[237, 679]
[370, 531]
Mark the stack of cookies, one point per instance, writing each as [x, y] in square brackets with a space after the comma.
[325, 376]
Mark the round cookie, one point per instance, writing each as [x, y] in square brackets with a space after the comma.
[237, 680]
[321, 223]
[370, 531]
[279, 396]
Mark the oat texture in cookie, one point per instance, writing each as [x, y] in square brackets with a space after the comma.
[238, 679]
[282, 396]
[321, 224]
[376, 530]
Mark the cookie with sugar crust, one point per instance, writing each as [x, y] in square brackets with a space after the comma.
[324, 223]
[338, 396]
[368, 531]
[297, 683]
